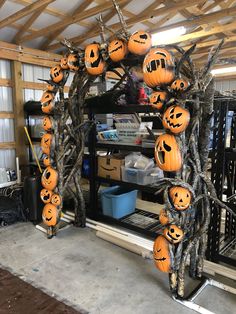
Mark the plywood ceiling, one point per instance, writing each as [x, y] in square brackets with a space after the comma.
[43, 24]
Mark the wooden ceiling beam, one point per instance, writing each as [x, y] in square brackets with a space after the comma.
[2, 3]
[202, 19]
[211, 43]
[52, 36]
[71, 20]
[139, 18]
[26, 26]
[24, 12]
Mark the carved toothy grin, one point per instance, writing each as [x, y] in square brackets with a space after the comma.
[139, 42]
[173, 238]
[154, 64]
[182, 206]
[158, 100]
[171, 124]
[46, 197]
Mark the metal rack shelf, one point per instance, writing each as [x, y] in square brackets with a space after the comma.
[125, 146]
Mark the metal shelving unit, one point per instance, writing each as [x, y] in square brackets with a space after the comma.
[222, 230]
[141, 221]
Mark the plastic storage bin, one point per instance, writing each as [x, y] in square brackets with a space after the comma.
[117, 202]
[142, 177]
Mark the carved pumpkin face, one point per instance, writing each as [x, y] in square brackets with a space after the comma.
[139, 43]
[49, 178]
[167, 153]
[158, 68]
[56, 199]
[180, 197]
[47, 161]
[158, 99]
[179, 85]
[173, 234]
[46, 143]
[94, 63]
[117, 49]
[176, 119]
[47, 102]
[56, 74]
[50, 215]
[73, 62]
[64, 64]
[163, 218]
[46, 196]
[161, 254]
[47, 123]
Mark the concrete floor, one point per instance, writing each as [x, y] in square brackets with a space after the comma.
[94, 275]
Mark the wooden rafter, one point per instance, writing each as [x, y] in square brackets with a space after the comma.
[26, 26]
[51, 37]
[2, 3]
[140, 18]
[72, 19]
[24, 12]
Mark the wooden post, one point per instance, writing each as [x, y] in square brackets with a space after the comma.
[17, 92]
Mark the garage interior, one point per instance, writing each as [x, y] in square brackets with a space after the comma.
[94, 259]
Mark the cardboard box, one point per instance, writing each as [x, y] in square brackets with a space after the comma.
[110, 166]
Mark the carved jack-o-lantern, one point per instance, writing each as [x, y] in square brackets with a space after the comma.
[163, 218]
[46, 195]
[176, 119]
[46, 143]
[73, 61]
[179, 85]
[47, 161]
[57, 74]
[167, 153]
[117, 49]
[180, 197]
[47, 123]
[139, 43]
[56, 199]
[64, 64]
[47, 102]
[157, 99]
[173, 234]
[50, 215]
[161, 254]
[158, 68]
[94, 63]
[49, 178]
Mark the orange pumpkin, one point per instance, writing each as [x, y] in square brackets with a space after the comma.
[46, 195]
[64, 64]
[158, 68]
[73, 62]
[139, 43]
[157, 99]
[47, 102]
[47, 161]
[56, 199]
[47, 124]
[176, 119]
[49, 178]
[179, 85]
[57, 74]
[50, 215]
[180, 197]
[117, 50]
[46, 143]
[94, 63]
[161, 254]
[173, 234]
[163, 218]
[167, 153]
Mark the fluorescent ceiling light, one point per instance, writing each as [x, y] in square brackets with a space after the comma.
[168, 37]
[223, 70]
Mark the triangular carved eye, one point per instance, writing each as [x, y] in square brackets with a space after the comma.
[167, 147]
[178, 115]
[172, 110]
[92, 54]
